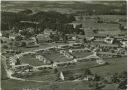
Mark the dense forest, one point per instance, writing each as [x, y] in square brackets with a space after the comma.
[39, 21]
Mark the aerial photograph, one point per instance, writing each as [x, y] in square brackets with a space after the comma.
[63, 45]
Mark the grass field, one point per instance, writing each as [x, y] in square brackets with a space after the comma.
[31, 59]
[52, 56]
[116, 65]
[20, 85]
[47, 77]
[55, 56]
[78, 85]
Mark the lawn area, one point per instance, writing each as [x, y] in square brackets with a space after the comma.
[78, 85]
[31, 59]
[52, 55]
[20, 85]
[79, 66]
[81, 54]
[46, 77]
[55, 56]
[116, 65]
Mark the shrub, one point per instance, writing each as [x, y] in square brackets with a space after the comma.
[5, 46]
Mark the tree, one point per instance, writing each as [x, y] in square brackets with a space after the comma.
[30, 68]
[123, 84]
[18, 38]
[123, 74]
[27, 32]
[18, 61]
[5, 47]
[11, 45]
[96, 85]
[96, 77]
[87, 72]
[115, 78]
[56, 70]
[79, 26]
[95, 31]
[6, 34]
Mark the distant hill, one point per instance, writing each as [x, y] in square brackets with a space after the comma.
[97, 6]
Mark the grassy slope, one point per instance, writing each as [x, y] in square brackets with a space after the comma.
[19, 85]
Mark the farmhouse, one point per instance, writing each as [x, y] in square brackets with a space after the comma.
[123, 25]
[99, 37]
[43, 38]
[31, 42]
[124, 43]
[109, 40]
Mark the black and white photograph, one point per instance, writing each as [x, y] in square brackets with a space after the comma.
[63, 45]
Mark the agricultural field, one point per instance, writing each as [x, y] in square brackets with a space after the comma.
[104, 28]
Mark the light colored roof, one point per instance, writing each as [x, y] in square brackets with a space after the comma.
[43, 37]
[111, 45]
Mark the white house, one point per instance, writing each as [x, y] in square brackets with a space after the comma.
[109, 40]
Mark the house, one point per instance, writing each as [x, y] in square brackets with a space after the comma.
[109, 40]
[31, 42]
[89, 77]
[41, 58]
[0, 34]
[123, 25]
[99, 38]
[124, 43]
[75, 24]
[49, 32]
[100, 61]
